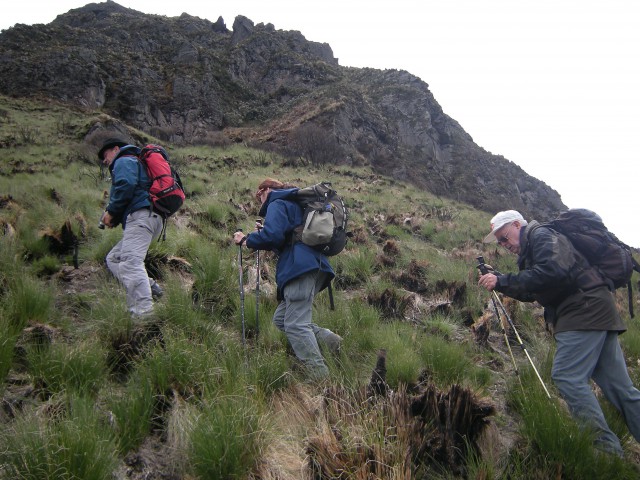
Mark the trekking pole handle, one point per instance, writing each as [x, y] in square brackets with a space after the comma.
[481, 265]
[101, 224]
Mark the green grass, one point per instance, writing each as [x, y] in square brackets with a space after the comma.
[451, 363]
[28, 300]
[183, 362]
[216, 287]
[46, 266]
[226, 440]
[77, 444]
[355, 267]
[80, 368]
[565, 446]
[132, 411]
[8, 338]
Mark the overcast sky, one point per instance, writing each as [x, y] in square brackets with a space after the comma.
[552, 85]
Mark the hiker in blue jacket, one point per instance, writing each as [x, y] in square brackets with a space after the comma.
[130, 206]
[581, 311]
[301, 272]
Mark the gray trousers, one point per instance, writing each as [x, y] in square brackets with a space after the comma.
[596, 354]
[293, 317]
[126, 259]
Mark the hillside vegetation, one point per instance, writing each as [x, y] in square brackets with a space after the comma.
[87, 393]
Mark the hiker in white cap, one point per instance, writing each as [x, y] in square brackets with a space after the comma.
[581, 312]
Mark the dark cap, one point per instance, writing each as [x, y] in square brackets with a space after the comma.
[110, 143]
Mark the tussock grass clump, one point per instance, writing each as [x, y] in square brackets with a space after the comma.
[28, 300]
[182, 362]
[390, 302]
[354, 268]
[8, 338]
[398, 435]
[226, 440]
[131, 410]
[555, 443]
[443, 326]
[130, 345]
[77, 443]
[46, 266]
[215, 283]
[448, 363]
[58, 368]
[217, 214]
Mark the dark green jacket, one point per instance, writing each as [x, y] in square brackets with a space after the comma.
[553, 273]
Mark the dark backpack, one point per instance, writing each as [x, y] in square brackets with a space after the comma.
[324, 220]
[166, 192]
[602, 249]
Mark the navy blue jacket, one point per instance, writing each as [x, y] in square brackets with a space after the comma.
[129, 185]
[281, 216]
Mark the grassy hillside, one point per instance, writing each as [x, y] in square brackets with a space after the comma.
[88, 394]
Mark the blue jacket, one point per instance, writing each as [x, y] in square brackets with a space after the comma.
[129, 185]
[281, 216]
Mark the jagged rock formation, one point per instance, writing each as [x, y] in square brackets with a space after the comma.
[182, 78]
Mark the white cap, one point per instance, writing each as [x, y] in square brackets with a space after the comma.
[500, 220]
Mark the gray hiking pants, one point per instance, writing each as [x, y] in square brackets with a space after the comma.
[293, 317]
[596, 354]
[126, 259]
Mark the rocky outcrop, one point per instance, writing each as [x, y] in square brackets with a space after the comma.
[183, 77]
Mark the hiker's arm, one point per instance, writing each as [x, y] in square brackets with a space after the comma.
[125, 180]
[277, 224]
[552, 266]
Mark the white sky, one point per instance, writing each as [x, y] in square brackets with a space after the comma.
[552, 85]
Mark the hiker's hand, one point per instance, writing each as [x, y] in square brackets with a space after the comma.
[488, 281]
[107, 219]
[258, 225]
[239, 238]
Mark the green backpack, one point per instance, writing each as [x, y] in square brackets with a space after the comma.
[324, 220]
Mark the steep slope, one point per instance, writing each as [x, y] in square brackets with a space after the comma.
[424, 386]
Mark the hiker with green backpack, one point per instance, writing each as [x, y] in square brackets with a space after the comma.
[582, 314]
[301, 272]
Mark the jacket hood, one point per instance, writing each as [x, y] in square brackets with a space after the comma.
[126, 151]
[285, 194]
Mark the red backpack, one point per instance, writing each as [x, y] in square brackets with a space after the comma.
[166, 192]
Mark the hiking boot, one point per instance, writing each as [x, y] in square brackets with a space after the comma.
[156, 291]
[333, 341]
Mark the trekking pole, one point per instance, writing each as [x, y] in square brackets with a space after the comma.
[496, 301]
[244, 339]
[521, 343]
[258, 226]
[506, 341]
[483, 269]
